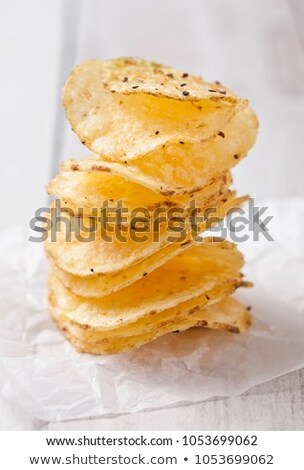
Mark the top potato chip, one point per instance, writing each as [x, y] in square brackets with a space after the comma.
[124, 108]
[129, 75]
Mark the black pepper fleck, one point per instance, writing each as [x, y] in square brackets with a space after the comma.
[221, 134]
[125, 79]
[135, 86]
[157, 132]
[186, 93]
[183, 84]
[185, 75]
[207, 297]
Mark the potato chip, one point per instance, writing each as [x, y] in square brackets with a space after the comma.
[129, 75]
[85, 191]
[141, 324]
[128, 261]
[75, 252]
[123, 118]
[227, 314]
[187, 275]
[102, 285]
[105, 284]
[182, 167]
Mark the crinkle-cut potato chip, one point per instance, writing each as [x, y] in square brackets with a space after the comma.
[216, 312]
[182, 167]
[85, 191]
[123, 119]
[84, 258]
[187, 275]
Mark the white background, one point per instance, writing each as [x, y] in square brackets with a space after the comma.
[256, 47]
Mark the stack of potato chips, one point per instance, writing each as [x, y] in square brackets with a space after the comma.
[127, 263]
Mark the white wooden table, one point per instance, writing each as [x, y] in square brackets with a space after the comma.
[254, 46]
[275, 405]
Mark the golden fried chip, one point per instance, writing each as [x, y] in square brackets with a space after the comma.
[127, 75]
[104, 284]
[75, 252]
[122, 119]
[187, 275]
[85, 191]
[219, 313]
[182, 167]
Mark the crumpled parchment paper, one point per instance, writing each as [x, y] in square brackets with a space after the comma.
[41, 371]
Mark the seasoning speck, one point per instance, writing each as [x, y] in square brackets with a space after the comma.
[92, 270]
[248, 308]
[221, 134]
[157, 132]
[144, 274]
[181, 142]
[185, 75]
[170, 75]
[212, 91]
[207, 297]
[223, 92]
[125, 79]
[183, 84]
[135, 86]
[217, 82]
[186, 93]
[236, 156]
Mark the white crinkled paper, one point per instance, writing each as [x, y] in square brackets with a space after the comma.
[41, 371]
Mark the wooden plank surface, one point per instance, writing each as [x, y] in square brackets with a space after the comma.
[275, 405]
